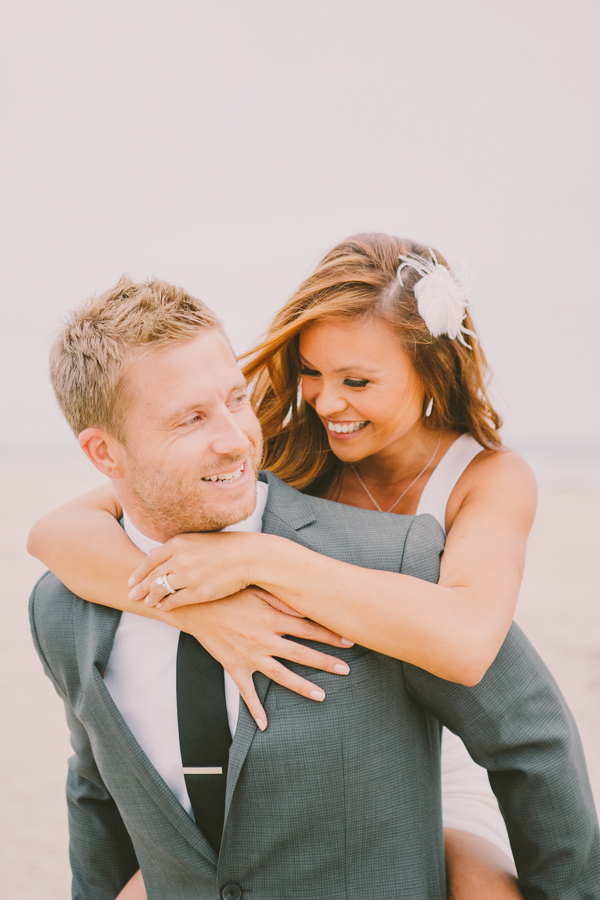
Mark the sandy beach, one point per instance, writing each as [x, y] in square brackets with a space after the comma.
[559, 610]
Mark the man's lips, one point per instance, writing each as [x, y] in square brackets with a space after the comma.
[229, 475]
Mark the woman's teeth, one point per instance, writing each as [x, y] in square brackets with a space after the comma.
[345, 429]
[226, 476]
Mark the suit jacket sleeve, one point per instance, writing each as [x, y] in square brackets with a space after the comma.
[100, 849]
[516, 724]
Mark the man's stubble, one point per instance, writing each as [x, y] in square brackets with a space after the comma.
[180, 505]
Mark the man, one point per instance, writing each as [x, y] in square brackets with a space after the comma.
[336, 800]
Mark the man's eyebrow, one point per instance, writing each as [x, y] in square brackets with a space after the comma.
[353, 367]
[201, 404]
[182, 412]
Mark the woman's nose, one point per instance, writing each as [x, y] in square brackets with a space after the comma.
[328, 402]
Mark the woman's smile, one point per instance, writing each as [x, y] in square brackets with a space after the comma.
[342, 430]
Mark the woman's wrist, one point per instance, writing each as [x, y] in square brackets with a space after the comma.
[185, 618]
[273, 563]
[258, 555]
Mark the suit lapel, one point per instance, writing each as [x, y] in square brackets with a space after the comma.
[287, 510]
[283, 516]
[95, 629]
[244, 735]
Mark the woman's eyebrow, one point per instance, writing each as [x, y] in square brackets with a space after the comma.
[353, 367]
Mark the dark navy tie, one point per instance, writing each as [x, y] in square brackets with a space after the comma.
[204, 734]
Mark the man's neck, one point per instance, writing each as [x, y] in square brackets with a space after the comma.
[144, 521]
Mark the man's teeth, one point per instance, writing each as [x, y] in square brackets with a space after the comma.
[226, 476]
[345, 429]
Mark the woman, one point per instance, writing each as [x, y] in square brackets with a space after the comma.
[393, 415]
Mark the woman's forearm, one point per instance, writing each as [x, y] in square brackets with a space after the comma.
[453, 629]
[449, 631]
[83, 544]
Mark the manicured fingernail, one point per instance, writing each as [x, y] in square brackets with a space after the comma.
[317, 695]
[159, 606]
[148, 601]
[133, 594]
[341, 669]
[131, 582]
[346, 642]
[261, 724]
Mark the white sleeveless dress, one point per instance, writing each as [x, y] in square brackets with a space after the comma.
[468, 802]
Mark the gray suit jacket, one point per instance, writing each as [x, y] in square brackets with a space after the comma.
[340, 799]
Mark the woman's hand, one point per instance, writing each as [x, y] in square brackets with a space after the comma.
[200, 568]
[245, 632]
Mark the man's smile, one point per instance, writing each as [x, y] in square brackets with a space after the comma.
[227, 477]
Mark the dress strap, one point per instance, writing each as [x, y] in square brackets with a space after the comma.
[442, 480]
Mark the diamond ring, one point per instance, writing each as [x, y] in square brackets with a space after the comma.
[163, 581]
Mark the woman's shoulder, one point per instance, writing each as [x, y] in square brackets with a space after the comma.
[499, 465]
[495, 480]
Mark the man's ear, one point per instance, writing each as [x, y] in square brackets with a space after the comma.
[104, 451]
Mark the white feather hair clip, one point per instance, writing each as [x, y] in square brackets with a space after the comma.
[442, 294]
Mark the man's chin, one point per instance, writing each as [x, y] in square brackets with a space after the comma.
[220, 511]
[179, 507]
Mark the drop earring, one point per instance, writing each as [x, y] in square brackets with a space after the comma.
[429, 408]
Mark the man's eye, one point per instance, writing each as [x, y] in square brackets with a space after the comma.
[311, 373]
[356, 382]
[192, 421]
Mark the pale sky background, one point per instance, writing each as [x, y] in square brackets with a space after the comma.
[226, 147]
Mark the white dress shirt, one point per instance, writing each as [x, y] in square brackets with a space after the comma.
[141, 674]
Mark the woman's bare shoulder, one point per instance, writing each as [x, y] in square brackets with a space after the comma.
[500, 465]
[495, 480]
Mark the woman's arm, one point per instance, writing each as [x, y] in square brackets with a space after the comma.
[453, 629]
[476, 869]
[83, 544]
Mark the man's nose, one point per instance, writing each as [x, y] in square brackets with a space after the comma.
[229, 437]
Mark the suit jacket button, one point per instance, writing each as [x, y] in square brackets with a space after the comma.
[231, 892]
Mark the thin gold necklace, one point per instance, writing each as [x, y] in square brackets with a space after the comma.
[406, 490]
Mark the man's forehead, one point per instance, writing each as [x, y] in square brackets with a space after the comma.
[203, 370]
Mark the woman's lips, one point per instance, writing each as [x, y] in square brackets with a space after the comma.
[344, 431]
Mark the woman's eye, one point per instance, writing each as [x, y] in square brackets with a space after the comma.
[311, 373]
[236, 401]
[356, 382]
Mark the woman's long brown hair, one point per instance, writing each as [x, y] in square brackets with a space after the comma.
[357, 279]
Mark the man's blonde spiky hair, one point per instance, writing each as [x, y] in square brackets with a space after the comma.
[91, 355]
